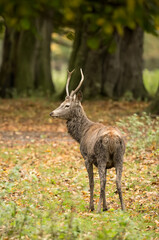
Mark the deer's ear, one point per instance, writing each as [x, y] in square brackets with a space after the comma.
[79, 96]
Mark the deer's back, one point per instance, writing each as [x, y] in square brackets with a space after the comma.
[99, 138]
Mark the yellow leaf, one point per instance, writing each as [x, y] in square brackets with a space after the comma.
[100, 21]
[108, 29]
[48, 150]
[69, 14]
[130, 5]
[119, 28]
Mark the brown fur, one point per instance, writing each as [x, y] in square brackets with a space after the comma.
[102, 146]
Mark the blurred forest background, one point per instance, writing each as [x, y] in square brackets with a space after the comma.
[40, 40]
[44, 189]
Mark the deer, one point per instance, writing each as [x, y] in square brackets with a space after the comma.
[101, 146]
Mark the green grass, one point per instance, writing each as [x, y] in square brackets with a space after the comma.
[142, 132]
[48, 199]
[59, 79]
[151, 81]
[44, 192]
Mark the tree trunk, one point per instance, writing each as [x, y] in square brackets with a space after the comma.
[43, 76]
[84, 57]
[7, 71]
[123, 69]
[79, 54]
[111, 74]
[26, 61]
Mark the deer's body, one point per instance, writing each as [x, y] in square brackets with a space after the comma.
[102, 146]
[93, 137]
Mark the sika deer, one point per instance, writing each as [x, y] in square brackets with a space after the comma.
[100, 145]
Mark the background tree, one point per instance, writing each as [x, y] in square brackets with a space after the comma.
[114, 68]
[26, 52]
[26, 60]
[109, 46]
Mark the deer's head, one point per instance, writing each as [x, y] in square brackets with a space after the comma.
[72, 101]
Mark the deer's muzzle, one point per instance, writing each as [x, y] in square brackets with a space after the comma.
[52, 114]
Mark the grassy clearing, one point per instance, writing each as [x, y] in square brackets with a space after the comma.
[151, 81]
[44, 190]
[59, 79]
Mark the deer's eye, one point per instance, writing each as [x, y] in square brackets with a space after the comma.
[67, 106]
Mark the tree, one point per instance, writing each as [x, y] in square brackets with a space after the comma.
[26, 52]
[29, 25]
[122, 70]
[108, 73]
[108, 46]
[26, 60]
[102, 47]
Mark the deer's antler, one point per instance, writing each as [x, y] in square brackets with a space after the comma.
[68, 81]
[79, 85]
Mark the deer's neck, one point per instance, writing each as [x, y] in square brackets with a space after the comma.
[78, 124]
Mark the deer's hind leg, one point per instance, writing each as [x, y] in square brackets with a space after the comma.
[104, 197]
[102, 176]
[119, 168]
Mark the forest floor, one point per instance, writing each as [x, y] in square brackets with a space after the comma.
[44, 190]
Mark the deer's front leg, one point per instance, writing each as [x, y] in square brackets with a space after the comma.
[89, 167]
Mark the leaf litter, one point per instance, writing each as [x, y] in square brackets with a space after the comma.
[42, 169]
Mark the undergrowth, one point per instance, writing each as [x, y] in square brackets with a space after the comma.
[142, 132]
